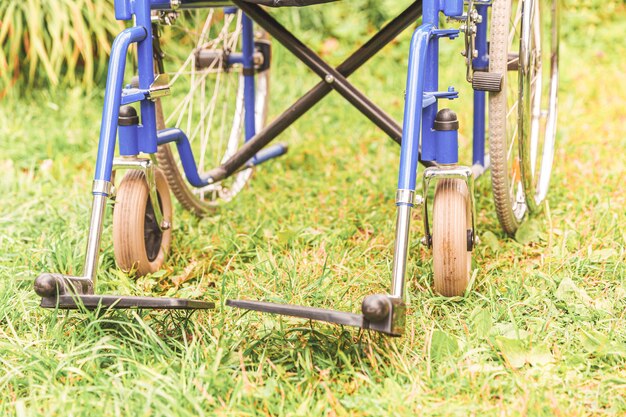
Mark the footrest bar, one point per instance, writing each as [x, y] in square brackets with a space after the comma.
[92, 302]
[392, 324]
[311, 313]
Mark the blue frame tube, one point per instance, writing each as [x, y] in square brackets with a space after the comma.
[186, 155]
[480, 63]
[248, 71]
[112, 99]
[409, 151]
[148, 138]
[189, 163]
[423, 77]
[145, 68]
[431, 10]
[478, 143]
[268, 153]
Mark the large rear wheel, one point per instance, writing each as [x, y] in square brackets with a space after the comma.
[522, 116]
[207, 100]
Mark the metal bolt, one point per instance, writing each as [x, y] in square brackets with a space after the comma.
[165, 225]
[329, 79]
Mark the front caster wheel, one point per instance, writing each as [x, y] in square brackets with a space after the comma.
[451, 222]
[138, 241]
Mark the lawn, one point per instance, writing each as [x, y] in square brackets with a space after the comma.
[540, 333]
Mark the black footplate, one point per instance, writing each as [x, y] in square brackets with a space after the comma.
[69, 292]
[93, 302]
[381, 313]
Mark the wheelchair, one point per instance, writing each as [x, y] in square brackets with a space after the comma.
[193, 123]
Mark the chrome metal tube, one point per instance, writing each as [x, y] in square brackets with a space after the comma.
[400, 252]
[93, 241]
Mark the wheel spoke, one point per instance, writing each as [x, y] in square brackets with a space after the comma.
[512, 108]
[514, 28]
[513, 141]
[208, 103]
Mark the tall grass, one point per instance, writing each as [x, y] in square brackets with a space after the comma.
[50, 42]
[46, 43]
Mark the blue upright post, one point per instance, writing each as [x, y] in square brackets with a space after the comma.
[112, 100]
[409, 150]
[478, 144]
[480, 63]
[422, 76]
[431, 81]
[145, 67]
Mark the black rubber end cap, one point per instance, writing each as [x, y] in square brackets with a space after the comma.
[128, 116]
[376, 307]
[46, 285]
[446, 120]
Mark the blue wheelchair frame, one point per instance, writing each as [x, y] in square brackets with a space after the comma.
[421, 91]
[420, 142]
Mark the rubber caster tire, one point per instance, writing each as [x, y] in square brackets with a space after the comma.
[138, 242]
[451, 221]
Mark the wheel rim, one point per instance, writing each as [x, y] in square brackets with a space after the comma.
[539, 47]
[516, 110]
[208, 103]
[152, 233]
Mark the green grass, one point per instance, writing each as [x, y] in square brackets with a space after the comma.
[540, 333]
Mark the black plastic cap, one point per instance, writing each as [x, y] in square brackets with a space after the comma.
[128, 116]
[376, 307]
[446, 120]
[47, 285]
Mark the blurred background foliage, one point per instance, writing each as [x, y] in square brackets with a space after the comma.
[54, 42]
[50, 43]
[66, 42]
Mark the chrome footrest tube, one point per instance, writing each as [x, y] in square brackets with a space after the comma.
[400, 253]
[95, 233]
[405, 200]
